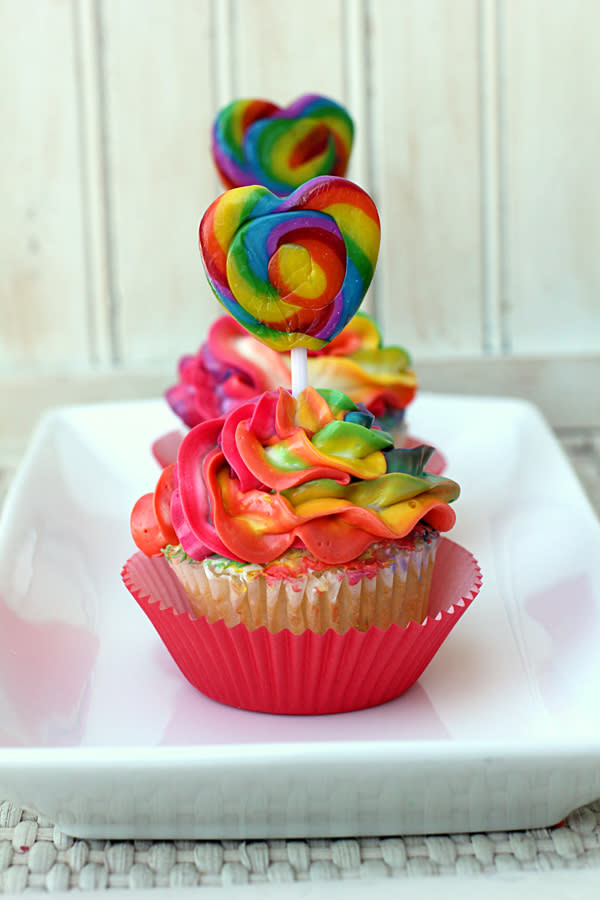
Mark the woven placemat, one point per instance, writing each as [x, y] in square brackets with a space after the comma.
[35, 855]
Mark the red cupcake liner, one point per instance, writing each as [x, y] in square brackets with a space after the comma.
[306, 674]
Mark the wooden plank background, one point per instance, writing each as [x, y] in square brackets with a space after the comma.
[425, 126]
[44, 310]
[551, 144]
[477, 132]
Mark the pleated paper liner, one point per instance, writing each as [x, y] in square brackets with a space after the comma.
[309, 673]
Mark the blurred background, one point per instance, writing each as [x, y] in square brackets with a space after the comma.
[477, 132]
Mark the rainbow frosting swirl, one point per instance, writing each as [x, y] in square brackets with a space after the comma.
[278, 473]
[256, 142]
[292, 271]
[231, 367]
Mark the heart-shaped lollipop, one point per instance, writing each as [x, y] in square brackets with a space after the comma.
[257, 142]
[292, 270]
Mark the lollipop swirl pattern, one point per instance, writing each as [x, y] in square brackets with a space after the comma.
[257, 142]
[294, 270]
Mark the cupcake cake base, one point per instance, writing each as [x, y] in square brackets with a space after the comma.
[388, 583]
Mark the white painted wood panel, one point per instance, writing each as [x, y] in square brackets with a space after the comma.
[285, 48]
[356, 95]
[550, 144]
[426, 158]
[94, 180]
[159, 102]
[43, 301]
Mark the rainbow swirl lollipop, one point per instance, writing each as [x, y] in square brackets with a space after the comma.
[257, 142]
[294, 270]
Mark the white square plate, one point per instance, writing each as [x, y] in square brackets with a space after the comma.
[100, 732]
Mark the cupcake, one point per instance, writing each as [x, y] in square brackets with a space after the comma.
[310, 528]
[295, 519]
[232, 367]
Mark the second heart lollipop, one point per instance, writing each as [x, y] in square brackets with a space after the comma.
[257, 142]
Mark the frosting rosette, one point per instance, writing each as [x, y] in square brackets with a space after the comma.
[294, 270]
[255, 141]
[280, 472]
[231, 367]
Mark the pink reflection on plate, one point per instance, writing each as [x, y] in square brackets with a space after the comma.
[46, 699]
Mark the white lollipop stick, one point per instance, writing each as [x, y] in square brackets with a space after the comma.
[299, 370]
